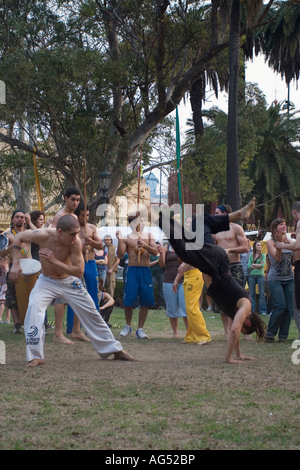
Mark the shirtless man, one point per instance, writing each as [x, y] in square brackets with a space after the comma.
[295, 247]
[139, 245]
[62, 267]
[90, 241]
[17, 225]
[72, 199]
[234, 242]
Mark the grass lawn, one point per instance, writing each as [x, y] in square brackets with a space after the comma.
[176, 397]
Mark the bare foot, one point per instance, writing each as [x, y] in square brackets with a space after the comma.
[124, 356]
[79, 336]
[62, 340]
[247, 210]
[202, 343]
[35, 363]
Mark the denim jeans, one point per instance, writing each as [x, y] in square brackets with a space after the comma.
[282, 294]
[260, 281]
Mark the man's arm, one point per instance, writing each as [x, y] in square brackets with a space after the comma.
[151, 246]
[122, 245]
[29, 236]
[95, 241]
[76, 268]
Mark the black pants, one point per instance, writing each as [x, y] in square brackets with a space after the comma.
[212, 260]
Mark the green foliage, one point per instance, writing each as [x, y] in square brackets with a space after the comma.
[205, 159]
[275, 168]
[282, 40]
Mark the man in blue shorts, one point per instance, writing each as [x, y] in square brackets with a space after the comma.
[139, 245]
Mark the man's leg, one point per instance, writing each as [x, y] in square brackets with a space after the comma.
[97, 330]
[16, 320]
[142, 316]
[59, 311]
[92, 285]
[128, 315]
[34, 326]
[11, 303]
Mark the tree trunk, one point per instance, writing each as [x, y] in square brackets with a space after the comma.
[197, 95]
[233, 185]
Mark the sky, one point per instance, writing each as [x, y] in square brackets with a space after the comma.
[257, 71]
[269, 82]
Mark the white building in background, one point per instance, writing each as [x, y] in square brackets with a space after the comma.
[157, 195]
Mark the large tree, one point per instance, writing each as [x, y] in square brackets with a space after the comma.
[98, 77]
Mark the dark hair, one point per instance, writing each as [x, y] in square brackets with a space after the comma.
[34, 215]
[72, 190]
[67, 222]
[225, 208]
[14, 213]
[274, 225]
[254, 247]
[257, 326]
[80, 208]
[101, 285]
[133, 217]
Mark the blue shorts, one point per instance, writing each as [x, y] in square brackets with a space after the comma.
[138, 283]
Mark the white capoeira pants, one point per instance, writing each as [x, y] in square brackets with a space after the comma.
[72, 291]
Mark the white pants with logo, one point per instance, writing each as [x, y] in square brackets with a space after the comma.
[73, 293]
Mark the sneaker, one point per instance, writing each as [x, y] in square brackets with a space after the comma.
[209, 308]
[140, 334]
[269, 339]
[126, 331]
[17, 328]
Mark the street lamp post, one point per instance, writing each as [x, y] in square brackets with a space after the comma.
[104, 185]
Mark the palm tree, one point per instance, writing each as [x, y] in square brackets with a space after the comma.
[281, 44]
[276, 167]
[232, 178]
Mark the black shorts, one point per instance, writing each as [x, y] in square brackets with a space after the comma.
[237, 272]
[226, 292]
